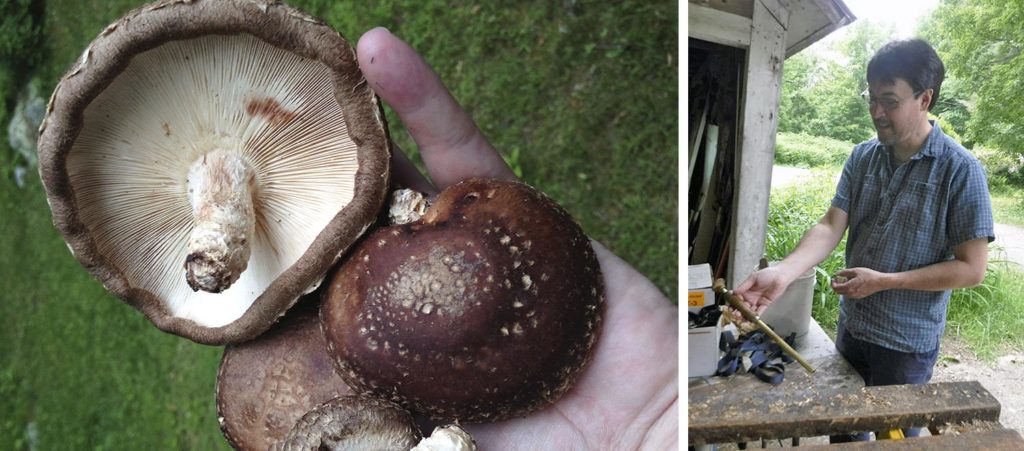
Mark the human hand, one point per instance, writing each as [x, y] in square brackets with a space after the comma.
[762, 288]
[627, 397]
[860, 282]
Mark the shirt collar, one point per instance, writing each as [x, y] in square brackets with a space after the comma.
[932, 144]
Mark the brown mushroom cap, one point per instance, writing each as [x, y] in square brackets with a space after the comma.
[262, 82]
[484, 309]
[353, 422]
[265, 385]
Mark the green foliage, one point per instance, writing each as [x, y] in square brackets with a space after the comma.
[1008, 205]
[20, 39]
[982, 43]
[952, 110]
[990, 316]
[807, 151]
[1005, 168]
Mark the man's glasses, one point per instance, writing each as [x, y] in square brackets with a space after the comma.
[887, 103]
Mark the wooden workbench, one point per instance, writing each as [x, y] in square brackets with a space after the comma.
[833, 400]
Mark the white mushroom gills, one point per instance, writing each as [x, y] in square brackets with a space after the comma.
[131, 164]
[221, 187]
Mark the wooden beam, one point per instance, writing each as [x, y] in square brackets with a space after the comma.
[757, 151]
[717, 26]
[999, 438]
[734, 416]
[780, 10]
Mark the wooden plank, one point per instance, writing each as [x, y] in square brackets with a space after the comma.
[757, 151]
[718, 416]
[999, 438]
[717, 26]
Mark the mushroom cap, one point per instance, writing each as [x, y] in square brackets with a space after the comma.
[353, 422]
[265, 385]
[174, 79]
[485, 309]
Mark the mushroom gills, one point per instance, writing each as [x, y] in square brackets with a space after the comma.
[221, 186]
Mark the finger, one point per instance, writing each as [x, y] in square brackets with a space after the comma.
[848, 273]
[452, 146]
[761, 309]
[406, 174]
[745, 285]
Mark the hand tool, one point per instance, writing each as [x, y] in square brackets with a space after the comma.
[739, 304]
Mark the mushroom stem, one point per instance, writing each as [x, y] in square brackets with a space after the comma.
[407, 206]
[447, 438]
[221, 185]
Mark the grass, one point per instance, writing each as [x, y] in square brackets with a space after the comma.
[989, 317]
[580, 96]
[1008, 206]
[806, 151]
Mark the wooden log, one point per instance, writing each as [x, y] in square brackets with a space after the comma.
[719, 416]
[999, 438]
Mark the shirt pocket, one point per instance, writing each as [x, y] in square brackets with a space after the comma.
[916, 212]
[915, 208]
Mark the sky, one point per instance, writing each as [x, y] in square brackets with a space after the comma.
[902, 14]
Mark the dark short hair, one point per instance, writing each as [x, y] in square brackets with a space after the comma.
[912, 60]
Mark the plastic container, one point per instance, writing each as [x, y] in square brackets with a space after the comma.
[791, 312]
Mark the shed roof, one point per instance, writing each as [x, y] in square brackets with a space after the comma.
[809, 20]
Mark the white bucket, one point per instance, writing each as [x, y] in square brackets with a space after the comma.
[791, 312]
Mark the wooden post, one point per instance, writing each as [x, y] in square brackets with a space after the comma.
[758, 126]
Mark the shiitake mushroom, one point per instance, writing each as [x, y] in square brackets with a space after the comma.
[485, 308]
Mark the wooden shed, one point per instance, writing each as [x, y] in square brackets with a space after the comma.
[736, 54]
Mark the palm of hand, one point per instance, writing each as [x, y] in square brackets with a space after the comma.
[627, 396]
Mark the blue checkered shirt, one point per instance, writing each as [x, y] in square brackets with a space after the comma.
[903, 217]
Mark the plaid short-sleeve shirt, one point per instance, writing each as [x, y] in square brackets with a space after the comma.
[903, 217]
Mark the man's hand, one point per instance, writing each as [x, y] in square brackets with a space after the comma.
[762, 288]
[627, 398]
[860, 282]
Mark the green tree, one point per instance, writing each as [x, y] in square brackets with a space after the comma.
[982, 44]
[821, 90]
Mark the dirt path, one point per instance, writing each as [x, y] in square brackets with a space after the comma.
[1011, 239]
[957, 362]
[1002, 378]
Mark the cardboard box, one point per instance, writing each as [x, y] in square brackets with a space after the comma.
[699, 285]
[702, 342]
[703, 350]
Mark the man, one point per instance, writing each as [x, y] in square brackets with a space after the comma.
[917, 208]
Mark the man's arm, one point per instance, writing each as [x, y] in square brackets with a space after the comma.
[764, 286]
[967, 269]
[817, 243]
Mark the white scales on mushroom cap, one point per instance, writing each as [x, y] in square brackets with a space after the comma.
[172, 105]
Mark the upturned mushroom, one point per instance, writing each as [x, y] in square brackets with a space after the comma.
[265, 385]
[358, 422]
[208, 161]
[485, 308]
